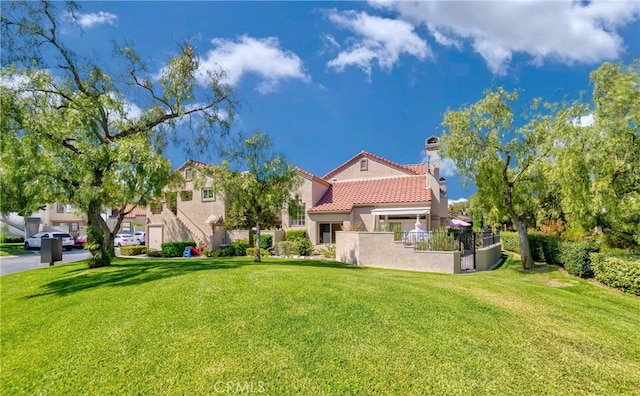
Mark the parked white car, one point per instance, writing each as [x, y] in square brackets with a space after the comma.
[125, 240]
[35, 242]
[141, 235]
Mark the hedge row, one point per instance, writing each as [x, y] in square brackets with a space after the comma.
[175, 249]
[543, 247]
[293, 235]
[620, 271]
[573, 256]
[576, 258]
[263, 252]
[266, 241]
[11, 239]
[133, 250]
[236, 248]
[581, 259]
[300, 247]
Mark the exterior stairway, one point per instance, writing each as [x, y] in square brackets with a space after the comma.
[199, 236]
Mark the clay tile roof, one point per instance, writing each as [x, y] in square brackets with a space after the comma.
[310, 176]
[343, 196]
[137, 211]
[367, 155]
[418, 169]
[194, 163]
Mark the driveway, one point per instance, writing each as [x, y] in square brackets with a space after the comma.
[25, 262]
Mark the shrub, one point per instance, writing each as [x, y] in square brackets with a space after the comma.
[553, 227]
[252, 252]
[175, 249]
[286, 248]
[221, 252]
[132, 250]
[305, 248]
[266, 241]
[575, 257]
[510, 241]
[329, 251]
[621, 271]
[543, 247]
[238, 247]
[11, 239]
[154, 253]
[293, 235]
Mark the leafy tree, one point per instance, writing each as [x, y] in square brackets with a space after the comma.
[598, 164]
[257, 179]
[502, 159]
[71, 120]
[459, 207]
[16, 163]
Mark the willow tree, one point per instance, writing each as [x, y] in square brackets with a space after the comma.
[257, 179]
[599, 164]
[508, 163]
[97, 135]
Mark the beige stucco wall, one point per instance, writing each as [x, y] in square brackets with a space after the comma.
[51, 218]
[363, 216]
[199, 210]
[377, 249]
[375, 169]
[488, 257]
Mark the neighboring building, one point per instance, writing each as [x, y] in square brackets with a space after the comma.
[135, 220]
[63, 217]
[366, 192]
[189, 214]
[66, 218]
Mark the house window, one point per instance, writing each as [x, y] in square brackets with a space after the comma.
[327, 232]
[64, 208]
[208, 194]
[364, 164]
[298, 217]
[186, 196]
[73, 227]
[188, 173]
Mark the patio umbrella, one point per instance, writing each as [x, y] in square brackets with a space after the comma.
[457, 223]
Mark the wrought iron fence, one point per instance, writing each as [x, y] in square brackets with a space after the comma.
[447, 240]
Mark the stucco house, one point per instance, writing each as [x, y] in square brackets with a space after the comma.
[365, 192]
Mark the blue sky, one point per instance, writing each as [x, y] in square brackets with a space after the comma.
[329, 79]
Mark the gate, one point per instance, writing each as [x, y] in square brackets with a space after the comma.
[467, 246]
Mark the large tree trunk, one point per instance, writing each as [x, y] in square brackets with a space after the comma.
[257, 258]
[523, 239]
[97, 238]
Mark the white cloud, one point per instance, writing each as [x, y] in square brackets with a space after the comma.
[455, 201]
[568, 31]
[448, 167]
[99, 18]
[378, 39]
[262, 57]
[585, 121]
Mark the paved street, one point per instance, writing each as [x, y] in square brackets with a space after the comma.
[9, 265]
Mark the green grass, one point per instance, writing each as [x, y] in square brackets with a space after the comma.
[13, 249]
[202, 326]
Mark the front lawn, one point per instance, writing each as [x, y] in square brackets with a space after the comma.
[13, 249]
[209, 326]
